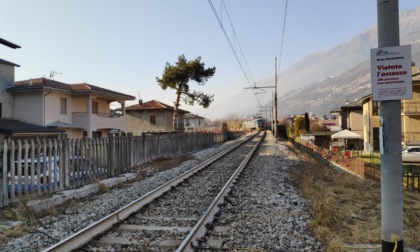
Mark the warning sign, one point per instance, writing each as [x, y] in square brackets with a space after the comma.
[391, 73]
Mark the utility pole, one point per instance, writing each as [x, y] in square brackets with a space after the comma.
[271, 113]
[391, 161]
[275, 98]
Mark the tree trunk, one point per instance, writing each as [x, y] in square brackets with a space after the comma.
[175, 116]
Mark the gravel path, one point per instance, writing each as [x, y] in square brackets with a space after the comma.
[268, 211]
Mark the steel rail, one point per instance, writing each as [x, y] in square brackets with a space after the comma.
[200, 229]
[85, 235]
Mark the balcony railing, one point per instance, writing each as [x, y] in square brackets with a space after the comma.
[108, 115]
[99, 120]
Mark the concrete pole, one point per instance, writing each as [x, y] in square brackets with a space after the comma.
[391, 161]
[275, 98]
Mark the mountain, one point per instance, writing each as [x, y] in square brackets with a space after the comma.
[332, 92]
[323, 81]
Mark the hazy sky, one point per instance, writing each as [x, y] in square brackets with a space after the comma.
[123, 45]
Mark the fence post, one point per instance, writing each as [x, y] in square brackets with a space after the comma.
[158, 145]
[64, 162]
[143, 145]
[5, 199]
[111, 156]
[130, 151]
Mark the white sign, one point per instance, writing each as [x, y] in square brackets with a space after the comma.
[391, 73]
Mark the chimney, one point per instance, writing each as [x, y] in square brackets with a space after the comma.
[30, 82]
[140, 102]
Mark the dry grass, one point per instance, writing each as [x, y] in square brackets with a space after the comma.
[17, 212]
[103, 188]
[346, 209]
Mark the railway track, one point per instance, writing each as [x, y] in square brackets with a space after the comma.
[172, 217]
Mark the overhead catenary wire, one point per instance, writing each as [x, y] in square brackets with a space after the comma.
[244, 66]
[282, 36]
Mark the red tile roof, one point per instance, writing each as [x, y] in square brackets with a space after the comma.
[81, 87]
[152, 105]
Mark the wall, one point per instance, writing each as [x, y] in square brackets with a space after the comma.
[53, 108]
[356, 121]
[7, 79]
[28, 107]
[138, 122]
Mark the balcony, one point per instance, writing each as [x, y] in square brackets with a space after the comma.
[97, 121]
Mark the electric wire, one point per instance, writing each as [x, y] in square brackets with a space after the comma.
[282, 36]
[248, 76]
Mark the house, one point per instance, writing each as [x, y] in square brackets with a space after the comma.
[81, 110]
[193, 122]
[7, 79]
[152, 116]
[370, 123]
[410, 117]
[350, 117]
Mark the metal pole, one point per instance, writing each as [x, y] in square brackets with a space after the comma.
[391, 161]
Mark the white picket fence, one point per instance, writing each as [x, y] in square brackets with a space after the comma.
[33, 167]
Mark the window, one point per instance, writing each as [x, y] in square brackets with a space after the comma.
[375, 109]
[63, 106]
[152, 119]
[96, 134]
[94, 107]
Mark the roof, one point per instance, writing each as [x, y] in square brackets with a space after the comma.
[323, 133]
[11, 126]
[348, 106]
[40, 83]
[9, 44]
[5, 62]
[152, 105]
[351, 105]
[364, 99]
[346, 134]
[63, 125]
[192, 116]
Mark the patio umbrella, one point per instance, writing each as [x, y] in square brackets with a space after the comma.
[346, 134]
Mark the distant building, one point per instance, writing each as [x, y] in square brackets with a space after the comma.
[193, 122]
[350, 117]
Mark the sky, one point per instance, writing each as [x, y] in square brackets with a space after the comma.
[124, 45]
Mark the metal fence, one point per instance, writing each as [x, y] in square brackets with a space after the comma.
[35, 167]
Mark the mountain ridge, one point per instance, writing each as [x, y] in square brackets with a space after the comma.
[309, 84]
